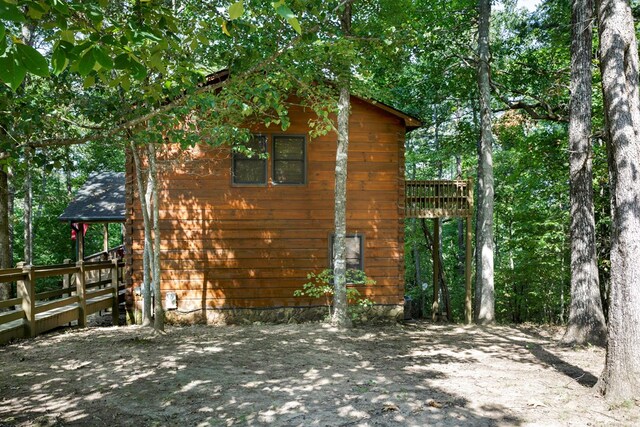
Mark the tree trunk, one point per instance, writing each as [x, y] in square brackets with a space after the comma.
[340, 316]
[586, 319]
[461, 221]
[28, 210]
[618, 53]
[5, 247]
[485, 299]
[158, 323]
[146, 255]
[446, 296]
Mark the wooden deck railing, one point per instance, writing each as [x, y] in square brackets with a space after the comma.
[438, 199]
[98, 286]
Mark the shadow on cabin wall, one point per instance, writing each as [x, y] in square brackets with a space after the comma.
[234, 253]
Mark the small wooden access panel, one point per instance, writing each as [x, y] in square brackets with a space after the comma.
[443, 199]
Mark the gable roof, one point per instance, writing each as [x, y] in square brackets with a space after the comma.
[101, 199]
[410, 122]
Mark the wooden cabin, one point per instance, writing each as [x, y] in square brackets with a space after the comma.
[240, 235]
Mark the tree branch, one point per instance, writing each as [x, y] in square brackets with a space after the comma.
[531, 109]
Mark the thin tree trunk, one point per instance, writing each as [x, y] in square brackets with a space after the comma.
[43, 193]
[485, 297]
[67, 171]
[5, 253]
[12, 194]
[618, 53]
[416, 257]
[461, 221]
[340, 316]
[146, 264]
[586, 319]
[158, 323]
[446, 297]
[28, 210]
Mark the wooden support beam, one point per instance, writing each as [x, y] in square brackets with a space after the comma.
[66, 278]
[115, 309]
[436, 269]
[27, 291]
[105, 237]
[81, 288]
[80, 241]
[467, 274]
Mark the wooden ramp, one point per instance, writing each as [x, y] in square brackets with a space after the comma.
[98, 286]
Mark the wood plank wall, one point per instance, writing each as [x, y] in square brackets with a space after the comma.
[251, 247]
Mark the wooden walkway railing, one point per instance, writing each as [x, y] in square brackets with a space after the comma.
[98, 286]
[439, 199]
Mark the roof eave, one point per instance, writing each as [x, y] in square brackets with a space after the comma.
[410, 122]
[87, 220]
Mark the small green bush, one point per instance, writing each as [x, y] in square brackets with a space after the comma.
[321, 286]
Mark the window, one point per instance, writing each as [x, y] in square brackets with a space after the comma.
[355, 251]
[251, 168]
[288, 160]
[288, 165]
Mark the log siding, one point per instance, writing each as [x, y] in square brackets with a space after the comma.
[226, 246]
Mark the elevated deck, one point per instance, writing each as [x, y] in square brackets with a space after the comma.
[439, 199]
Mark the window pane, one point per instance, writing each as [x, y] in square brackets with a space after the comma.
[288, 172]
[250, 168]
[288, 148]
[249, 172]
[257, 145]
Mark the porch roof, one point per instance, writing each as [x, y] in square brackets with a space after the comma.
[101, 199]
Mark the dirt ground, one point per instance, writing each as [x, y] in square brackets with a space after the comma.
[414, 374]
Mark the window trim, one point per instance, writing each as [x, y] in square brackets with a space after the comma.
[273, 159]
[264, 161]
[348, 235]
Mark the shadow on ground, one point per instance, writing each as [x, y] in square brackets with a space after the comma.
[281, 375]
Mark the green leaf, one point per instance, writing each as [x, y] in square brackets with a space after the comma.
[34, 10]
[102, 58]
[138, 71]
[121, 62]
[32, 60]
[61, 7]
[295, 24]
[224, 28]
[2, 30]
[236, 10]
[10, 12]
[68, 36]
[125, 82]
[59, 61]
[88, 82]
[156, 60]
[284, 11]
[11, 72]
[86, 63]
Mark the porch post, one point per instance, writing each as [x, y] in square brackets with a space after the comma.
[105, 237]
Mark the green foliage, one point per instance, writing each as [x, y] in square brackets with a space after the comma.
[92, 66]
[321, 286]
